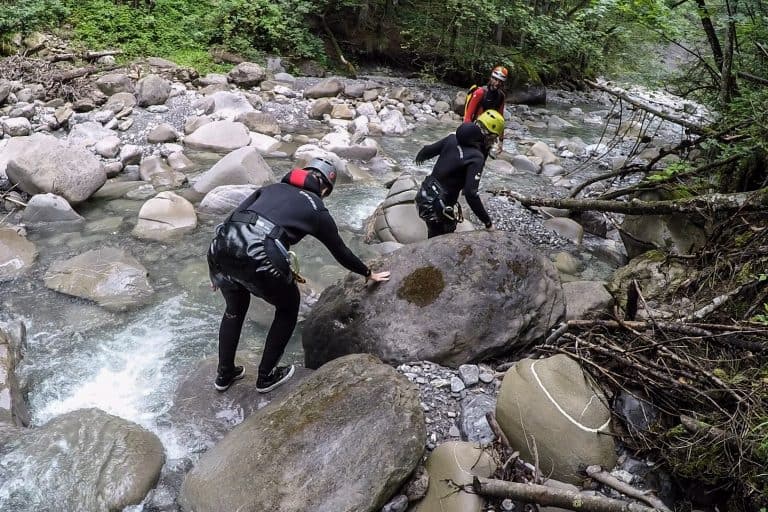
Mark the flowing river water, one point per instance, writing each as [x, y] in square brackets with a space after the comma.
[128, 364]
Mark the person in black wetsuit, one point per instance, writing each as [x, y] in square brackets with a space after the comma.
[459, 166]
[249, 255]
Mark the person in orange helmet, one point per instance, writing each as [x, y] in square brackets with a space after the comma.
[488, 97]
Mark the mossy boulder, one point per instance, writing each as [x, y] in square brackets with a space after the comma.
[451, 299]
[342, 441]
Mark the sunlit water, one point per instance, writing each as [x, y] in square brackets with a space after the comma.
[128, 364]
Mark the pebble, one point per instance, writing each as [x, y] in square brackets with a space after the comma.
[457, 384]
[454, 431]
[507, 504]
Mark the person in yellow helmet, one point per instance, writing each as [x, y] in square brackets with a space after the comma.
[488, 97]
[460, 164]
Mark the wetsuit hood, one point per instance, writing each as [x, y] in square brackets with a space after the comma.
[469, 134]
[304, 179]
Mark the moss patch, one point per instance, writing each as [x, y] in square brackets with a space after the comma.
[464, 253]
[422, 286]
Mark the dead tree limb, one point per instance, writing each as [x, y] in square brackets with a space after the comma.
[756, 201]
[692, 127]
[678, 327]
[752, 78]
[77, 73]
[550, 496]
[84, 55]
[597, 473]
[350, 66]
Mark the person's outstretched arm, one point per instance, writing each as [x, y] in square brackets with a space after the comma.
[328, 234]
[471, 186]
[429, 151]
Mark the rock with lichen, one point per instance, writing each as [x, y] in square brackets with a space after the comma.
[452, 299]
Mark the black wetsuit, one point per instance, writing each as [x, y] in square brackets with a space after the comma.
[459, 167]
[241, 264]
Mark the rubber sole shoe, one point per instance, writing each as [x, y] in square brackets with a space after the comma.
[278, 376]
[222, 383]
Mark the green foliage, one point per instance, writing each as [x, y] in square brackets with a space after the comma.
[170, 28]
[257, 27]
[24, 16]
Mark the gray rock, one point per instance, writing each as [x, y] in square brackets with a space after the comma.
[586, 299]
[164, 217]
[552, 402]
[85, 460]
[109, 276]
[322, 412]
[113, 83]
[473, 423]
[320, 108]
[223, 199]
[327, 88]
[219, 137]
[162, 133]
[244, 166]
[108, 147]
[152, 90]
[469, 373]
[428, 308]
[260, 122]
[17, 126]
[17, 255]
[247, 74]
[51, 211]
[457, 385]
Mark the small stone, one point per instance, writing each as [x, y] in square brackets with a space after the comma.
[158, 109]
[421, 380]
[454, 431]
[469, 373]
[457, 384]
[398, 504]
[425, 407]
[486, 377]
[507, 504]
[624, 476]
[441, 383]
[451, 414]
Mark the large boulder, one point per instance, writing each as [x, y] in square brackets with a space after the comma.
[219, 137]
[45, 164]
[550, 409]
[397, 219]
[344, 440]
[201, 416]
[49, 212]
[230, 105]
[86, 460]
[17, 254]
[325, 89]
[451, 299]
[109, 276]
[247, 74]
[222, 200]
[244, 166]
[657, 276]
[165, 216]
[152, 90]
[675, 234]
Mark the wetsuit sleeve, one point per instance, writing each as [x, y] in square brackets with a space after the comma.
[471, 186]
[328, 234]
[430, 151]
[474, 103]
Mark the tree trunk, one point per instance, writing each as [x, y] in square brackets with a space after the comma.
[709, 29]
[727, 83]
[722, 203]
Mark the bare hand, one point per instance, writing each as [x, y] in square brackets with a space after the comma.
[378, 277]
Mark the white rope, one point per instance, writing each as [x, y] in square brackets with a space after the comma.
[561, 410]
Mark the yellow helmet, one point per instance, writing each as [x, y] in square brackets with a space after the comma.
[492, 121]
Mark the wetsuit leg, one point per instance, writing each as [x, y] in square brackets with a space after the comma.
[238, 299]
[286, 299]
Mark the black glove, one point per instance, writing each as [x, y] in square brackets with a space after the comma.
[488, 225]
[420, 158]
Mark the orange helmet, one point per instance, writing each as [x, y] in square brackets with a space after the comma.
[500, 73]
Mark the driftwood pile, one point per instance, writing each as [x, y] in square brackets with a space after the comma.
[57, 74]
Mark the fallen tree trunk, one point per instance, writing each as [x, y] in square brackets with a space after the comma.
[84, 55]
[550, 496]
[77, 73]
[692, 127]
[756, 201]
